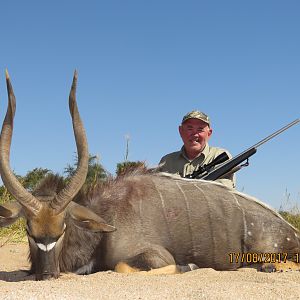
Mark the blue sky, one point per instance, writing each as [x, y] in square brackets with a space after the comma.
[142, 65]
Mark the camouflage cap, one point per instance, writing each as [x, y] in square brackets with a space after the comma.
[196, 114]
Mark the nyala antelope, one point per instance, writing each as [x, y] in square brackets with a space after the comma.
[137, 222]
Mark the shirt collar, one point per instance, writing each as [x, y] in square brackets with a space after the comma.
[204, 152]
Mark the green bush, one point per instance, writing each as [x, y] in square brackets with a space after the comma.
[129, 166]
[292, 218]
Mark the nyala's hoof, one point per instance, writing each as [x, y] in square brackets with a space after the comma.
[187, 268]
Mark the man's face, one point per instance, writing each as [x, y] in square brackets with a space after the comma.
[195, 134]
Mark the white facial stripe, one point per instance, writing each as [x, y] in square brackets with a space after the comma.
[46, 248]
[50, 246]
[42, 246]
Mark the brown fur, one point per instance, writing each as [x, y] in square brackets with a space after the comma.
[162, 220]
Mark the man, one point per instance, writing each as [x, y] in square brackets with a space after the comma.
[195, 131]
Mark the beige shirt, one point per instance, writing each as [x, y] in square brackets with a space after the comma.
[178, 163]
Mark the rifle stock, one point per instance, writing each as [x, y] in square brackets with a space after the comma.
[229, 165]
[206, 168]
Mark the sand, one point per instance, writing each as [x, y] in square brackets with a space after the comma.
[198, 284]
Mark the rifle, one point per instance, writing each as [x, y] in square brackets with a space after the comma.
[207, 167]
[233, 165]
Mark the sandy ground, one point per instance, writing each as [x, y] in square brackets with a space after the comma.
[198, 284]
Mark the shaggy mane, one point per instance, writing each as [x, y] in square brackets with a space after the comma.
[48, 187]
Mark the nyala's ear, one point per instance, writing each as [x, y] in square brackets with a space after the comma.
[4, 212]
[10, 212]
[86, 219]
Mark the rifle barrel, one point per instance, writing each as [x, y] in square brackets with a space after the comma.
[270, 136]
[276, 133]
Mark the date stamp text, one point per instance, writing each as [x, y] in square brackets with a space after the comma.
[252, 257]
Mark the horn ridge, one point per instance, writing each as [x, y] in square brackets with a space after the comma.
[66, 195]
[25, 198]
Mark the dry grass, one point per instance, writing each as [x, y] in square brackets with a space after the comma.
[15, 233]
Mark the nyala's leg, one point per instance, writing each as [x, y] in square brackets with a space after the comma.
[280, 267]
[156, 260]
